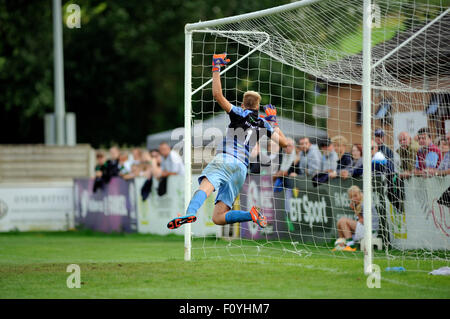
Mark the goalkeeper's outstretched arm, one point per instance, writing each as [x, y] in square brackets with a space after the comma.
[217, 93]
[218, 61]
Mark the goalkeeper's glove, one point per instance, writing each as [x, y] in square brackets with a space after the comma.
[271, 114]
[218, 61]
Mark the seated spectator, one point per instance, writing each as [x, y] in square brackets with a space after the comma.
[344, 162]
[356, 169]
[428, 156]
[352, 230]
[309, 159]
[407, 151]
[387, 152]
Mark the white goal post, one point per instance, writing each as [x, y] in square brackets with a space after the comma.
[375, 62]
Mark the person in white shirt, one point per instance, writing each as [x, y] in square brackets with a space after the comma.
[288, 158]
[171, 163]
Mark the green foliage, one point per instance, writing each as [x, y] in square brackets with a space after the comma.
[124, 69]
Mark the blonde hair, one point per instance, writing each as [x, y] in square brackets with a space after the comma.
[251, 100]
[339, 140]
[351, 190]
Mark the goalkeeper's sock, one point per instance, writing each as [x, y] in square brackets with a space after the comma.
[196, 202]
[236, 216]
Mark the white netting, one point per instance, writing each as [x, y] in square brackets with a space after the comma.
[308, 63]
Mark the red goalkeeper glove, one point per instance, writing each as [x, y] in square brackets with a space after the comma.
[218, 61]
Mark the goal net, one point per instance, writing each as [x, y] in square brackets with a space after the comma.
[306, 59]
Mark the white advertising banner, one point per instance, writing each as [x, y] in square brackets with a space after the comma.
[36, 206]
[156, 211]
[425, 223]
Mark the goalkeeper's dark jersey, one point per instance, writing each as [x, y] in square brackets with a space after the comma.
[245, 129]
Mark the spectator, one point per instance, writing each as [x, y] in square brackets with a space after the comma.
[352, 230]
[407, 151]
[100, 166]
[379, 161]
[329, 158]
[171, 162]
[387, 152]
[444, 167]
[357, 162]
[113, 162]
[104, 170]
[287, 159]
[152, 170]
[344, 162]
[442, 143]
[265, 161]
[124, 166]
[428, 156]
[309, 161]
[136, 156]
[156, 163]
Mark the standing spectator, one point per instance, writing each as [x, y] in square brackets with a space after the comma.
[100, 170]
[309, 161]
[328, 163]
[153, 170]
[171, 162]
[428, 156]
[407, 151]
[344, 162]
[287, 159]
[444, 167]
[442, 143]
[383, 148]
[265, 161]
[379, 161]
[156, 163]
[329, 158]
[357, 162]
[124, 165]
[113, 162]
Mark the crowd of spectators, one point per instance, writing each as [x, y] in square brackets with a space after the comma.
[156, 163]
[334, 157]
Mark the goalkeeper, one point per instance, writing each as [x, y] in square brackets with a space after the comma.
[227, 171]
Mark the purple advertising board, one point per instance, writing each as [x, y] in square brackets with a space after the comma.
[111, 209]
[258, 191]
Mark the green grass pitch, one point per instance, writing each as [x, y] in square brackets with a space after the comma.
[33, 265]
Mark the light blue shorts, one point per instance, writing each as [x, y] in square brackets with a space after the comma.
[227, 174]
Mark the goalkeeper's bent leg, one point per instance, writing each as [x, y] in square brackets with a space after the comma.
[236, 216]
[196, 202]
